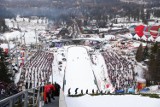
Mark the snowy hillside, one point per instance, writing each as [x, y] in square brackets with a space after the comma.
[78, 71]
[112, 101]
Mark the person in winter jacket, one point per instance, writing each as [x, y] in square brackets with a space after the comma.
[48, 91]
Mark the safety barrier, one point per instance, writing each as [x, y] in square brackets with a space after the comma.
[27, 98]
[62, 102]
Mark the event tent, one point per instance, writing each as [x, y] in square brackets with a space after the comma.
[139, 30]
[154, 31]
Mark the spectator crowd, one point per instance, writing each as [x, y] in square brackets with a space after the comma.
[120, 71]
[7, 89]
[37, 70]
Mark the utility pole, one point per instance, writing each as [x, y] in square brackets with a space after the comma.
[36, 39]
[17, 56]
[52, 76]
[9, 54]
[24, 39]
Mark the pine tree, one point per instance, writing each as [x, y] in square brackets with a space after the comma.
[154, 64]
[157, 71]
[154, 48]
[139, 54]
[142, 16]
[148, 15]
[4, 75]
[145, 53]
[152, 67]
[3, 26]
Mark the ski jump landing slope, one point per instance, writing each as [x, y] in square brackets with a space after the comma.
[79, 71]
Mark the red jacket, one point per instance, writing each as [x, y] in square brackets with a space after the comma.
[52, 87]
[47, 89]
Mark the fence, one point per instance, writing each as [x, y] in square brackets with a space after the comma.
[27, 98]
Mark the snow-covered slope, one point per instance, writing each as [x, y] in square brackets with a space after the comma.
[112, 101]
[79, 71]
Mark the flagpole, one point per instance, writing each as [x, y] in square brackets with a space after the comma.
[52, 74]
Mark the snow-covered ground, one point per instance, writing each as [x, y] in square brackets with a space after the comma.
[112, 101]
[139, 69]
[79, 72]
[29, 36]
[58, 69]
[101, 72]
[79, 75]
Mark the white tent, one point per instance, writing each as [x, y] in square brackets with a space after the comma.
[108, 37]
[150, 38]
[136, 44]
[158, 39]
[144, 38]
[128, 35]
[103, 29]
[136, 36]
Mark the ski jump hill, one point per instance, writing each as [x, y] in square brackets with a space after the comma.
[79, 74]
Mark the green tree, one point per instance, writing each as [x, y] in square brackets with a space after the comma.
[154, 64]
[148, 15]
[151, 67]
[139, 54]
[145, 53]
[154, 48]
[3, 26]
[157, 69]
[157, 13]
[4, 75]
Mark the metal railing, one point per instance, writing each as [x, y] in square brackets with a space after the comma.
[13, 100]
[27, 98]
